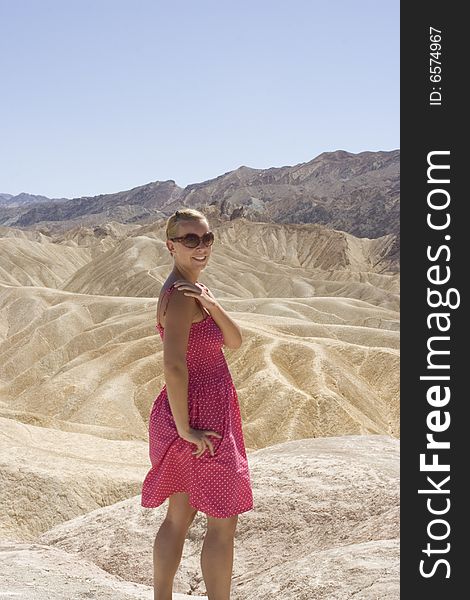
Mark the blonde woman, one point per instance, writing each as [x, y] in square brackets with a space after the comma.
[196, 443]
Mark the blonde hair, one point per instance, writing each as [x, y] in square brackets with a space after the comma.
[185, 214]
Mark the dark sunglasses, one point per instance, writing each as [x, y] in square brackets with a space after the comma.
[192, 240]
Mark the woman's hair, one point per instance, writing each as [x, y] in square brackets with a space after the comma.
[185, 214]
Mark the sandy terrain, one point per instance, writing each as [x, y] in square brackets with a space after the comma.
[317, 377]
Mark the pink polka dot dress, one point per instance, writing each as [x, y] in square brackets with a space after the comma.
[217, 485]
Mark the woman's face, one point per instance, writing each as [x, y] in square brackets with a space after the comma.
[190, 258]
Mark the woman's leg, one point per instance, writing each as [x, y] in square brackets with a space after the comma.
[217, 556]
[169, 542]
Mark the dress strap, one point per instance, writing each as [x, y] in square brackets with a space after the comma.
[167, 292]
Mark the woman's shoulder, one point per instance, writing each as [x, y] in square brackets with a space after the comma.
[165, 292]
[168, 286]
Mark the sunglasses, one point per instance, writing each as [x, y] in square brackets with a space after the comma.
[192, 240]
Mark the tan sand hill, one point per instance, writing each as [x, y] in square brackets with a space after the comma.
[309, 367]
[268, 260]
[108, 260]
[34, 257]
[320, 348]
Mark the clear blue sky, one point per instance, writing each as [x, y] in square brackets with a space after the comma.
[100, 96]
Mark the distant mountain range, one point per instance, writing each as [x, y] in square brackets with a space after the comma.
[356, 193]
[23, 198]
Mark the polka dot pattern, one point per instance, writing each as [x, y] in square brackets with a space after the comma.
[217, 485]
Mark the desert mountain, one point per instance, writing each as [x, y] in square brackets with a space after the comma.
[15, 201]
[356, 193]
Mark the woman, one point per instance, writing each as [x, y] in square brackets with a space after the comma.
[196, 443]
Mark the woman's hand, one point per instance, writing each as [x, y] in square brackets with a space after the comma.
[197, 290]
[199, 437]
[230, 330]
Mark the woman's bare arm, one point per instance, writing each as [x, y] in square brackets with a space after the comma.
[232, 332]
[178, 319]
